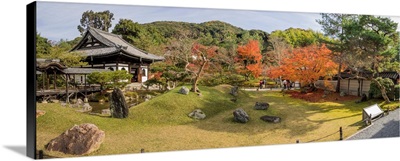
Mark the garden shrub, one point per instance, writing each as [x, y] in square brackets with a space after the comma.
[131, 94]
[217, 79]
[397, 92]
[374, 90]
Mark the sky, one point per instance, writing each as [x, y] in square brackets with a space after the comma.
[57, 21]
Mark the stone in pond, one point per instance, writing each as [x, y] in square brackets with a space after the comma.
[273, 119]
[239, 115]
[197, 114]
[79, 140]
[106, 112]
[261, 106]
[118, 106]
[184, 90]
[86, 107]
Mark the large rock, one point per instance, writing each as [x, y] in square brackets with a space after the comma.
[184, 90]
[79, 140]
[86, 107]
[273, 119]
[79, 102]
[342, 93]
[239, 115]
[234, 91]
[106, 112]
[118, 106]
[197, 114]
[261, 106]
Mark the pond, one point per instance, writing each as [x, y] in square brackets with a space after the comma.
[97, 106]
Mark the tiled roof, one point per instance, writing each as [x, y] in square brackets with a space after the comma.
[114, 44]
[391, 75]
[100, 51]
[83, 70]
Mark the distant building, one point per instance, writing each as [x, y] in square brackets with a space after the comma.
[353, 85]
[109, 51]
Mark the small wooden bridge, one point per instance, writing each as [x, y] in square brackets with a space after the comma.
[61, 92]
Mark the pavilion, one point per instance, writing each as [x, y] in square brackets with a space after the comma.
[105, 50]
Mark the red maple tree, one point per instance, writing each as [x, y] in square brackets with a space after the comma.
[201, 56]
[305, 64]
[249, 59]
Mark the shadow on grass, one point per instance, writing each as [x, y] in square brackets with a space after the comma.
[295, 114]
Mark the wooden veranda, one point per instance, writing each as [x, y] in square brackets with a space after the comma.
[53, 68]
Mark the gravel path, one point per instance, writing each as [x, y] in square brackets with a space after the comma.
[387, 126]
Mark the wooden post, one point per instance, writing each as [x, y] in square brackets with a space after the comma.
[139, 74]
[66, 87]
[48, 81]
[116, 66]
[362, 84]
[44, 80]
[148, 72]
[40, 154]
[297, 141]
[55, 80]
[129, 71]
[348, 87]
[341, 133]
[370, 119]
[142, 150]
[85, 88]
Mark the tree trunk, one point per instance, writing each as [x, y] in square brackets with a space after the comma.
[339, 78]
[196, 79]
[383, 91]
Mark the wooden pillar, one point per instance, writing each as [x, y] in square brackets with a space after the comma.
[348, 86]
[148, 72]
[104, 65]
[66, 87]
[139, 74]
[55, 80]
[362, 84]
[47, 81]
[85, 87]
[129, 70]
[75, 80]
[116, 68]
[43, 80]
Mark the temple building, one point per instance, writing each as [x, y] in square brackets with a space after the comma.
[105, 50]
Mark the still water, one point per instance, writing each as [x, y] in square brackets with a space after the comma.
[97, 107]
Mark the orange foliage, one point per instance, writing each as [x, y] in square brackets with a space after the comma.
[305, 64]
[249, 59]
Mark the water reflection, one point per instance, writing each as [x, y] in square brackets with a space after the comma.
[97, 107]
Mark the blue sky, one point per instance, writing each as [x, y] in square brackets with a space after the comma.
[57, 21]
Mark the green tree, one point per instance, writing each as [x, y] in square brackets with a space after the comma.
[143, 37]
[372, 41]
[120, 78]
[101, 78]
[42, 45]
[99, 20]
[299, 37]
[332, 25]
